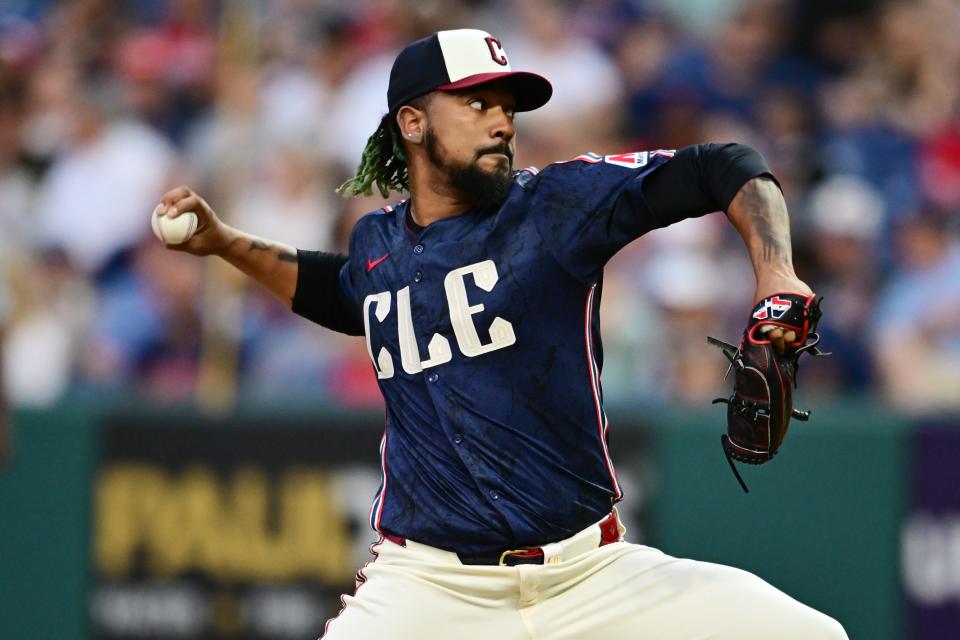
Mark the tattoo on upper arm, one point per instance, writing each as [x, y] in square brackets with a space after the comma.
[774, 235]
[282, 254]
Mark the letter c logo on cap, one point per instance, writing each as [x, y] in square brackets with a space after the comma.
[496, 50]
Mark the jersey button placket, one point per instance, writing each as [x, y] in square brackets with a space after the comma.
[418, 275]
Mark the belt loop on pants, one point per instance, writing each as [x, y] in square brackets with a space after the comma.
[602, 533]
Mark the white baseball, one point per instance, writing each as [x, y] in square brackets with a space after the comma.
[174, 230]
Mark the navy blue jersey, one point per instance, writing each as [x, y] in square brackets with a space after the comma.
[484, 334]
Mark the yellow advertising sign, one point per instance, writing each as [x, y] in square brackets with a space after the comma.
[245, 526]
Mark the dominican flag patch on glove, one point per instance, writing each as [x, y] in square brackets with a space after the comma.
[772, 308]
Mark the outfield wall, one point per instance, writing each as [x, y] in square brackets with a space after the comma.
[126, 524]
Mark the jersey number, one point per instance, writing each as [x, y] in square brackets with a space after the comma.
[461, 317]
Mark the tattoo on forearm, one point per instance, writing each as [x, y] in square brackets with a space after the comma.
[282, 254]
[774, 235]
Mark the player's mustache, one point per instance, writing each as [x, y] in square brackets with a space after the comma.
[503, 148]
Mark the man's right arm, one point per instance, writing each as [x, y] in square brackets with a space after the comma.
[305, 281]
[272, 264]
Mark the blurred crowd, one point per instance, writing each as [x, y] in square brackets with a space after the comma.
[263, 107]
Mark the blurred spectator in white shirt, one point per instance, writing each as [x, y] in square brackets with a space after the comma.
[54, 308]
[96, 199]
[356, 108]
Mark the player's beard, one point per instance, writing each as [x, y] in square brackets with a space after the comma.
[485, 189]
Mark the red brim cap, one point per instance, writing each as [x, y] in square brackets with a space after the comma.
[530, 90]
[458, 59]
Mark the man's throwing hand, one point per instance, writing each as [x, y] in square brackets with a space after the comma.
[211, 236]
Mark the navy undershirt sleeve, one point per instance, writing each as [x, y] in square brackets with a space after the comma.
[700, 179]
[319, 298]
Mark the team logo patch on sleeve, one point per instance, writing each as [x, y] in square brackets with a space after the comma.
[773, 309]
[632, 160]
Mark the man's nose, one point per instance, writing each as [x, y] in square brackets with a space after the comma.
[503, 125]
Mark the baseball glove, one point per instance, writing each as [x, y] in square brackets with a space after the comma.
[759, 411]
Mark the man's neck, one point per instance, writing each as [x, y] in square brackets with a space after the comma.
[428, 206]
[430, 200]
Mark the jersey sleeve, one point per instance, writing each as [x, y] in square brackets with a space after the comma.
[590, 207]
[702, 178]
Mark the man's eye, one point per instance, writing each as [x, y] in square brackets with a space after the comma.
[509, 112]
[476, 104]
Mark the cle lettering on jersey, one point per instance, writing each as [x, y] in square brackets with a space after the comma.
[500, 312]
[461, 318]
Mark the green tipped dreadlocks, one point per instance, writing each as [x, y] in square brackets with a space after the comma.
[383, 164]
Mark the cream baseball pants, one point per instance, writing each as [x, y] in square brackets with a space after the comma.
[619, 591]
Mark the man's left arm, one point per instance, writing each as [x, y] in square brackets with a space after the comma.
[759, 213]
[736, 179]
[782, 326]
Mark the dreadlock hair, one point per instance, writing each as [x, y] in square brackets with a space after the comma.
[383, 162]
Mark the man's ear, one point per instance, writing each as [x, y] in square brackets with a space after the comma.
[412, 123]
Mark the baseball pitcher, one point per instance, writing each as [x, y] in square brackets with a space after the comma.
[478, 300]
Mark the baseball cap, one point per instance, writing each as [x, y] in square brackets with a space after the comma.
[458, 59]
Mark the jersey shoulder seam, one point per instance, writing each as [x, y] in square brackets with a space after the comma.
[385, 212]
